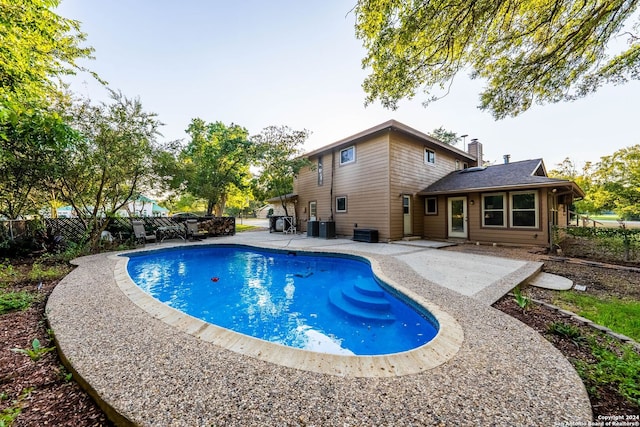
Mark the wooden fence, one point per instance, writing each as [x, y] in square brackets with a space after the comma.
[74, 230]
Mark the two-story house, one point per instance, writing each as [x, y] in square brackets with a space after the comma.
[402, 182]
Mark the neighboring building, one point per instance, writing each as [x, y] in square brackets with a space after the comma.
[402, 182]
[144, 206]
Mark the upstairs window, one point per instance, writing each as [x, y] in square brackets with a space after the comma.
[320, 171]
[429, 156]
[348, 155]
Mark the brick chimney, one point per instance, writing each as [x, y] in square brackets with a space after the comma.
[475, 149]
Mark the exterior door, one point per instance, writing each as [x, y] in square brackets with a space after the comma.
[313, 211]
[406, 211]
[458, 217]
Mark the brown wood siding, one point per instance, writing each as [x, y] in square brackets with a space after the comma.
[518, 236]
[365, 183]
[409, 175]
[435, 226]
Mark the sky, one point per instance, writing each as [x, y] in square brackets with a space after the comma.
[259, 63]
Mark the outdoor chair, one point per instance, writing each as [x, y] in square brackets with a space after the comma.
[193, 232]
[140, 233]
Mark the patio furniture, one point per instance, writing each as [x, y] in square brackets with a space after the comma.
[193, 232]
[140, 233]
[171, 232]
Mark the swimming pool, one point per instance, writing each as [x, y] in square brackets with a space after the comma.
[317, 302]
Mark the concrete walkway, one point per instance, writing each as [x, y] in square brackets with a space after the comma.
[149, 368]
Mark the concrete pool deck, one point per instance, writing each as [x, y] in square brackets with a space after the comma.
[145, 372]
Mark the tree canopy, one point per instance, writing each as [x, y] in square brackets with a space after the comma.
[527, 51]
[612, 184]
[215, 160]
[36, 47]
[104, 168]
[280, 159]
[617, 179]
[446, 136]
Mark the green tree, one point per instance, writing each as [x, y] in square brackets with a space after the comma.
[36, 48]
[617, 183]
[568, 170]
[446, 136]
[104, 169]
[280, 160]
[526, 50]
[215, 160]
[33, 141]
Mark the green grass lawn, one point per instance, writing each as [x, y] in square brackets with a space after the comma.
[622, 316]
[241, 227]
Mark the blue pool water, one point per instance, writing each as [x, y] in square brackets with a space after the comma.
[330, 304]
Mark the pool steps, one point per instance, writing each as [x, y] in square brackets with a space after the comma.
[361, 302]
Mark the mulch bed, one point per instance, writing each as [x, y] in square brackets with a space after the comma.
[605, 400]
[42, 389]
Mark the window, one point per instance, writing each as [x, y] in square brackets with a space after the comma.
[320, 175]
[341, 204]
[457, 164]
[431, 206]
[493, 208]
[429, 156]
[348, 155]
[465, 165]
[524, 211]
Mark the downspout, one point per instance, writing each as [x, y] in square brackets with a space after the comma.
[333, 170]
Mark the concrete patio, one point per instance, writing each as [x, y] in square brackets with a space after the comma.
[145, 372]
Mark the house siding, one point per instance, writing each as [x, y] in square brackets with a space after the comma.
[410, 174]
[365, 184]
[435, 226]
[518, 236]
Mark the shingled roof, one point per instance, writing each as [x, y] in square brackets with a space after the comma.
[522, 174]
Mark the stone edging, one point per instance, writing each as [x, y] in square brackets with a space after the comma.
[620, 337]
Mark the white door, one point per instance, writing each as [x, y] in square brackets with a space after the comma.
[406, 210]
[458, 217]
[313, 211]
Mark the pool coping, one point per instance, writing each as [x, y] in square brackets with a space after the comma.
[143, 373]
[441, 348]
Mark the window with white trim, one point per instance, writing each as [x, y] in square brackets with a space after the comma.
[429, 156]
[348, 155]
[493, 210]
[524, 209]
[341, 204]
[431, 206]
